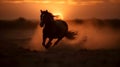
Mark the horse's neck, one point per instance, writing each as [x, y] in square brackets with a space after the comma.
[50, 23]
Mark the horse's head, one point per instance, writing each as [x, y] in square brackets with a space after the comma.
[45, 17]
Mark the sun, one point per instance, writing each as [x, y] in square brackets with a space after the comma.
[58, 16]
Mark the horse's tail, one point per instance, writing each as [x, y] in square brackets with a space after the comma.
[70, 35]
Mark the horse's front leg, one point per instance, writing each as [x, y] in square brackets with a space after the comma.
[57, 41]
[49, 43]
[44, 40]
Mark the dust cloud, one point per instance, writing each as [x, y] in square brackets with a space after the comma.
[92, 36]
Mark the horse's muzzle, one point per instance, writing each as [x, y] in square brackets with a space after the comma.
[41, 24]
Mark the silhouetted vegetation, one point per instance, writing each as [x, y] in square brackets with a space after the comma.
[17, 23]
[21, 19]
[78, 21]
[98, 23]
[114, 23]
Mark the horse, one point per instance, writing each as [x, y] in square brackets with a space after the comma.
[53, 29]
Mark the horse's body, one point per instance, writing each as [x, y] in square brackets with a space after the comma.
[53, 29]
[56, 29]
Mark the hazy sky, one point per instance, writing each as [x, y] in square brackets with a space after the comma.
[71, 9]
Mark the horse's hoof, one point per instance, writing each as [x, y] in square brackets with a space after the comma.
[46, 47]
[50, 44]
[43, 44]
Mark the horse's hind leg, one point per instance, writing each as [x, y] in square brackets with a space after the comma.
[49, 43]
[57, 41]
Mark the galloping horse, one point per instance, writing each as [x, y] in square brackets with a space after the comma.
[53, 29]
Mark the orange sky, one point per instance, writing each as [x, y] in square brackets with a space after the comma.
[70, 9]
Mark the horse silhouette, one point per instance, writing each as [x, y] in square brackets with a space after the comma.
[53, 29]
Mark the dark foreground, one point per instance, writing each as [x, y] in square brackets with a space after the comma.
[19, 57]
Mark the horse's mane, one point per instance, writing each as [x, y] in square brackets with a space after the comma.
[50, 15]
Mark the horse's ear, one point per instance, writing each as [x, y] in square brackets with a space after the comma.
[46, 10]
[41, 11]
